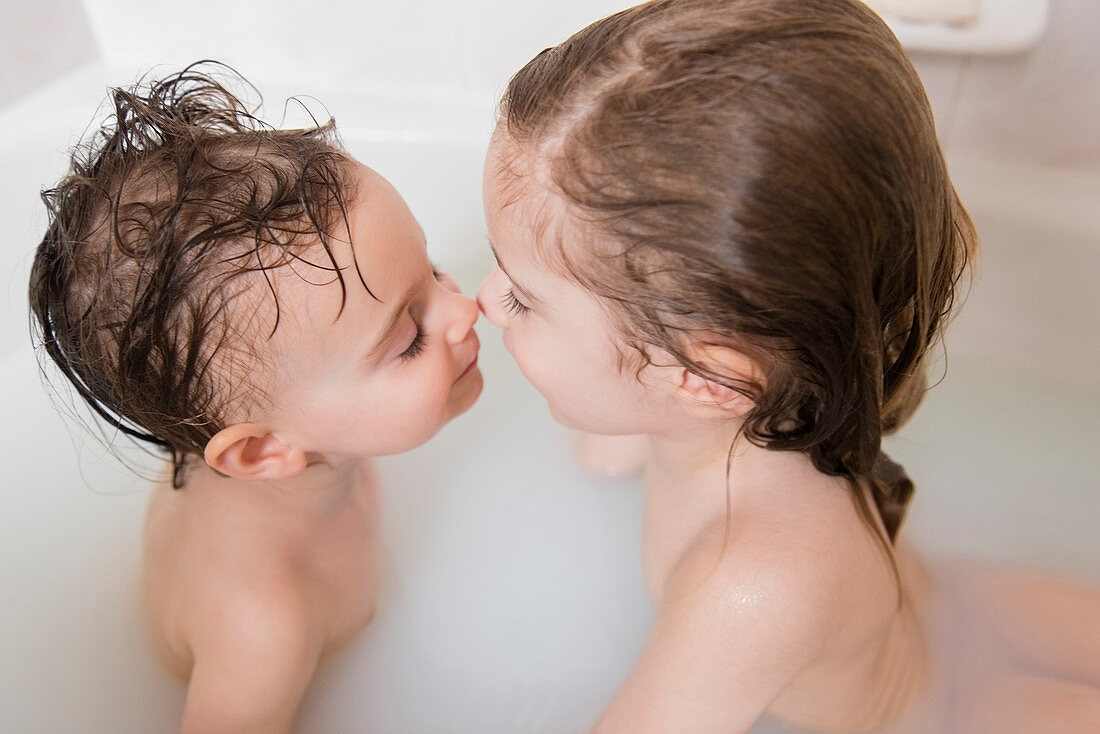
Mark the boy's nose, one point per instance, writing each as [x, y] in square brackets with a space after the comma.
[465, 317]
[449, 283]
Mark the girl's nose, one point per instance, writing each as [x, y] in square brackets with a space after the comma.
[488, 297]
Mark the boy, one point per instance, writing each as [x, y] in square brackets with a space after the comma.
[261, 306]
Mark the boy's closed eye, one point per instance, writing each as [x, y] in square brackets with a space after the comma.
[416, 346]
[420, 339]
[446, 280]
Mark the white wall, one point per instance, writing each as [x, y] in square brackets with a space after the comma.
[38, 41]
[438, 47]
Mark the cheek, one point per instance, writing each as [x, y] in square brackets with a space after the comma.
[407, 408]
[539, 361]
[583, 386]
[409, 422]
[568, 373]
[426, 392]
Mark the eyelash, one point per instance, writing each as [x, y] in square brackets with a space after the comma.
[512, 305]
[415, 347]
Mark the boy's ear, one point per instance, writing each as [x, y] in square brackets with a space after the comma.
[252, 451]
[706, 394]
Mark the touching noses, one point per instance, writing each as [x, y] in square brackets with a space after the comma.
[488, 297]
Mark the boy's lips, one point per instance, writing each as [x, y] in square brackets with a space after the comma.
[473, 363]
[473, 360]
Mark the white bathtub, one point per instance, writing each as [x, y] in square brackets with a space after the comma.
[514, 601]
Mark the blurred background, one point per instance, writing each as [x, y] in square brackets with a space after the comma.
[518, 577]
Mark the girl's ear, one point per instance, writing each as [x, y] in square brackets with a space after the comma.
[700, 388]
[702, 393]
[252, 451]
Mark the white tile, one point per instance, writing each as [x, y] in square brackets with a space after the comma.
[940, 74]
[1044, 106]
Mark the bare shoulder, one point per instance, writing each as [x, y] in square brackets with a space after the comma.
[247, 590]
[214, 575]
[751, 578]
[255, 646]
[742, 615]
[809, 579]
[773, 597]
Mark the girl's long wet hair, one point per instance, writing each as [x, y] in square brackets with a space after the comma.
[765, 175]
[175, 207]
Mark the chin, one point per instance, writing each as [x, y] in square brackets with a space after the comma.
[586, 424]
[470, 392]
[601, 425]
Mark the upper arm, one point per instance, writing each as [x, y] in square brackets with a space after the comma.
[725, 643]
[253, 662]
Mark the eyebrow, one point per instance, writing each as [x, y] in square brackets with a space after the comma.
[526, 293]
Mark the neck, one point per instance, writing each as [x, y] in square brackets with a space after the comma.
[720, 452]
[698, 449]
[323, 485]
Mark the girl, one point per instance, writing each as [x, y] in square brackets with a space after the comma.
[261, 306]
[727, 225]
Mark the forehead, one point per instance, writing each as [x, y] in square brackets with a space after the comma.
[514, 181]
[383, 228]
[529, 217]
[379, 251]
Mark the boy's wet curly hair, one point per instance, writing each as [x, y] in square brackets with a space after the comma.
[179, 203]
[764, 174]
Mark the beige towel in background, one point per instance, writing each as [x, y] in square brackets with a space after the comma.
[944, 12]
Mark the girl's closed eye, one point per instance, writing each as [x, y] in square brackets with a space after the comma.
[512, 305]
